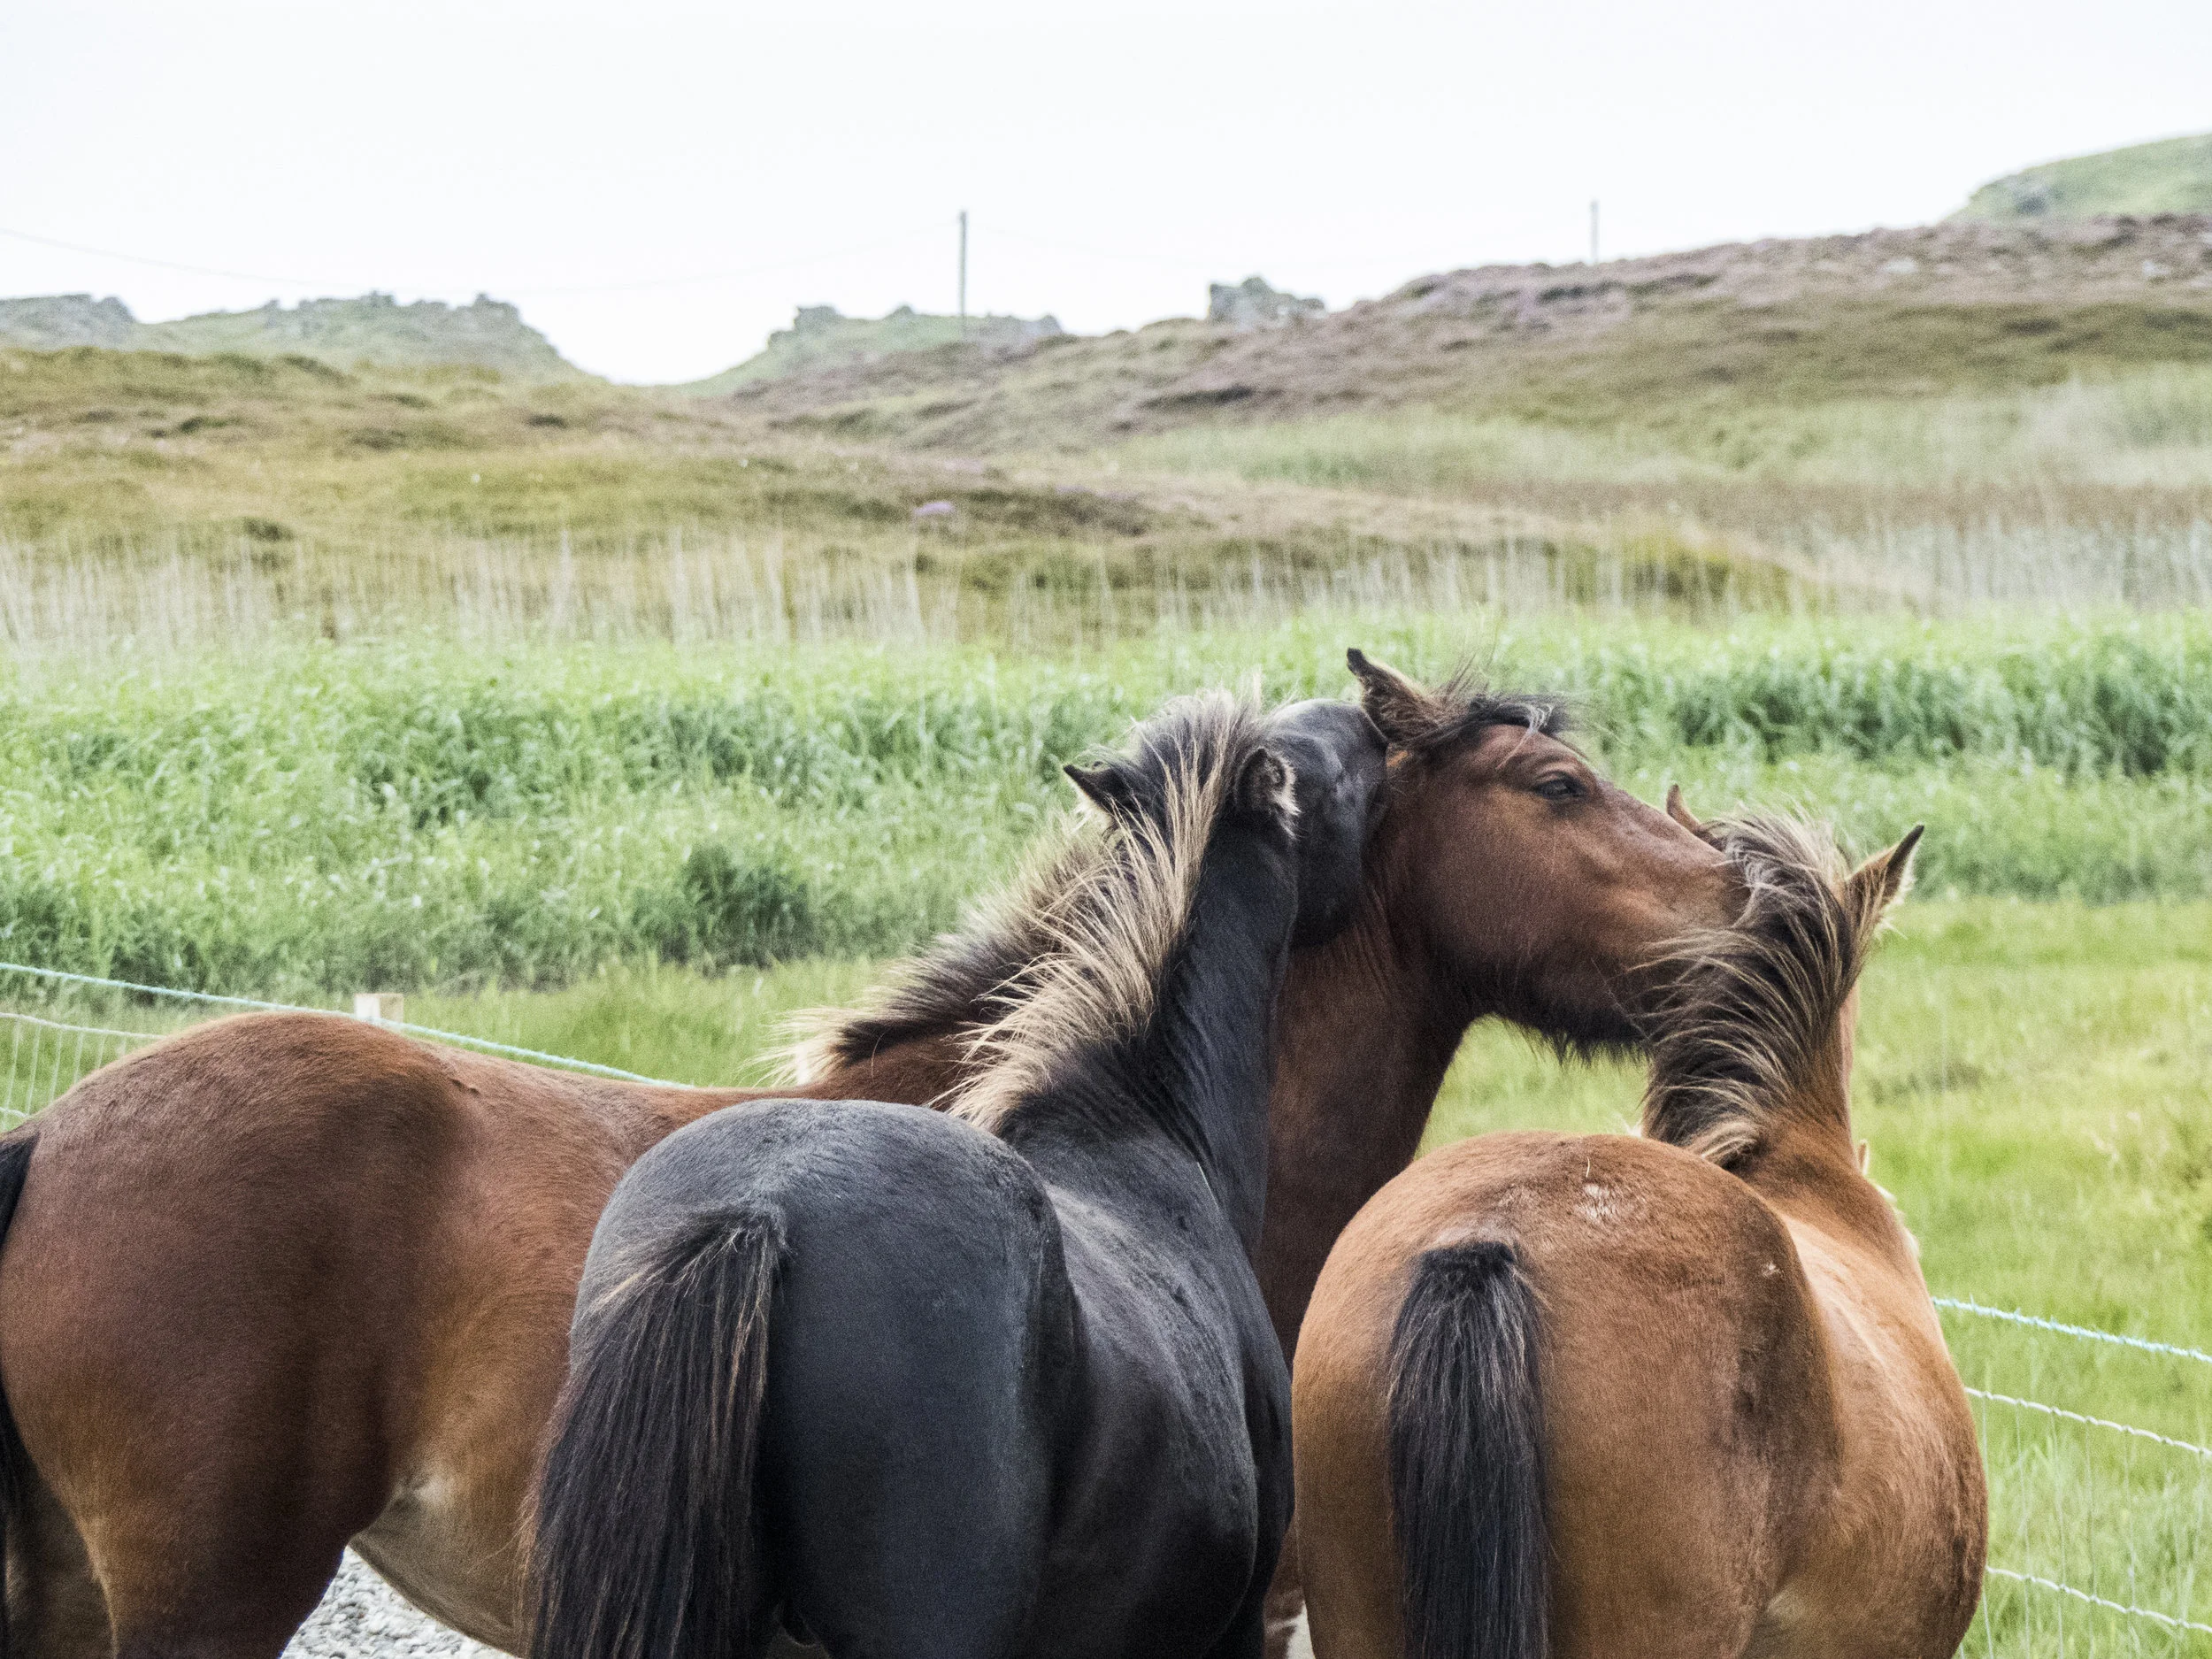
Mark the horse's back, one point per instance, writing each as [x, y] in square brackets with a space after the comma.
[238, 1256]
[1687, 1434]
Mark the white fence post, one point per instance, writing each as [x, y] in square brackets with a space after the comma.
[380, 1008]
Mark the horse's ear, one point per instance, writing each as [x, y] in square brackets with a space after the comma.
[1402, 711]
[1105, 786]
[1264, 785]
[1683, 815]
[1884, 879]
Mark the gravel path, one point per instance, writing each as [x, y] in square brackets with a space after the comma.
[364, 1618]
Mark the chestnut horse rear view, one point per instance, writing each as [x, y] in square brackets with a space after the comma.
[287, 1280]
[992, 1381]
[1676, 1397]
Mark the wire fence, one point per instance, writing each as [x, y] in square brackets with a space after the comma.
[46, 1057]
[2101, 1529]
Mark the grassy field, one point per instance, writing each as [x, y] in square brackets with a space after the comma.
[619, 726]
[165, 503]
[2035, 1080]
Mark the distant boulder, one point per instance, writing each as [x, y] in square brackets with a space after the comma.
[1252, 303]
[821, 337]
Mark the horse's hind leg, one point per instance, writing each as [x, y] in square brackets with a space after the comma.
[55, 1608]
[205, 1568]
[1247, 1635]
[165, 1615]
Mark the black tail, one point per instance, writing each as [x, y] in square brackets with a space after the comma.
[15, 1168]
[644, 1543]
[1467, 1459]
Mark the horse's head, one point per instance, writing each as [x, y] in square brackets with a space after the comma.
[1539, 888]
[1303, 784]
[1335, 754]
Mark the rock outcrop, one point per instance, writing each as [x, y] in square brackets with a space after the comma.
[1252, 303]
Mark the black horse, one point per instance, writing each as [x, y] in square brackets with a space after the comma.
[998, 1381]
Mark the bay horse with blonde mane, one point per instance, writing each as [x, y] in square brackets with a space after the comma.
[1676, 1397]
[285, 1281]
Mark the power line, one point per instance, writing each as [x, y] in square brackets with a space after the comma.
[167, 264]
[519, 293]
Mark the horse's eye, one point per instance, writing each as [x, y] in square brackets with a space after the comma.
[1560, 786]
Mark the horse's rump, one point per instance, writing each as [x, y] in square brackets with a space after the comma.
[850, 1314]
[1674, 1337]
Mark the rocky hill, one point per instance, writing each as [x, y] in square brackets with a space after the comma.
[821, 338]
[2172, 176]
[1890, 312]
[374, 328]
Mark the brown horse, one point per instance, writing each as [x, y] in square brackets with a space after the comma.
[1676, 1397]
[285, 1281]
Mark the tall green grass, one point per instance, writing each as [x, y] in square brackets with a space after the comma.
[404, 815]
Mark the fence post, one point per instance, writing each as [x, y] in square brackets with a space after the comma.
[380, 1008]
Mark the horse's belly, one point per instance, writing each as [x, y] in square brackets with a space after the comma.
[1160, 1554]
[430, 1546]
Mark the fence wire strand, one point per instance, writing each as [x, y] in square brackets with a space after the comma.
[2089, 1334]
[2041, 1583]
[536, 1055]
[2189, 1447]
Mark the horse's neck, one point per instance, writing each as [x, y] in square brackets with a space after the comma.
[1210, 1059]
[1367, 1034]
[1807, 1167]
[1193, 1084]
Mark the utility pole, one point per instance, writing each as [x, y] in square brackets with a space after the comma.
[963, 273]
[1593, 230]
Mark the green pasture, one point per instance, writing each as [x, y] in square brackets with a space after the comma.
[620, 726]
[2034, 1078]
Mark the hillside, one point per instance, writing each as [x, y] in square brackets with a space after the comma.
[1668, 339]
[1937, 417]
[487, 334]
[2172, 176]
[820, 338]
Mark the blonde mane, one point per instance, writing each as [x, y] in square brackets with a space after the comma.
[961, 980]
[1756, 1007]
[1113, 932]
[1071, 953]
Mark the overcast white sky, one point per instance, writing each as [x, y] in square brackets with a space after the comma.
[744, 158]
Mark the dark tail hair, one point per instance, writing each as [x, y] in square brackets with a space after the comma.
[644, 1545]
[1467, 1459]
[15, 1168]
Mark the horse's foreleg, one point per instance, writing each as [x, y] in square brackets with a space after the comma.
[1286, 1605]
